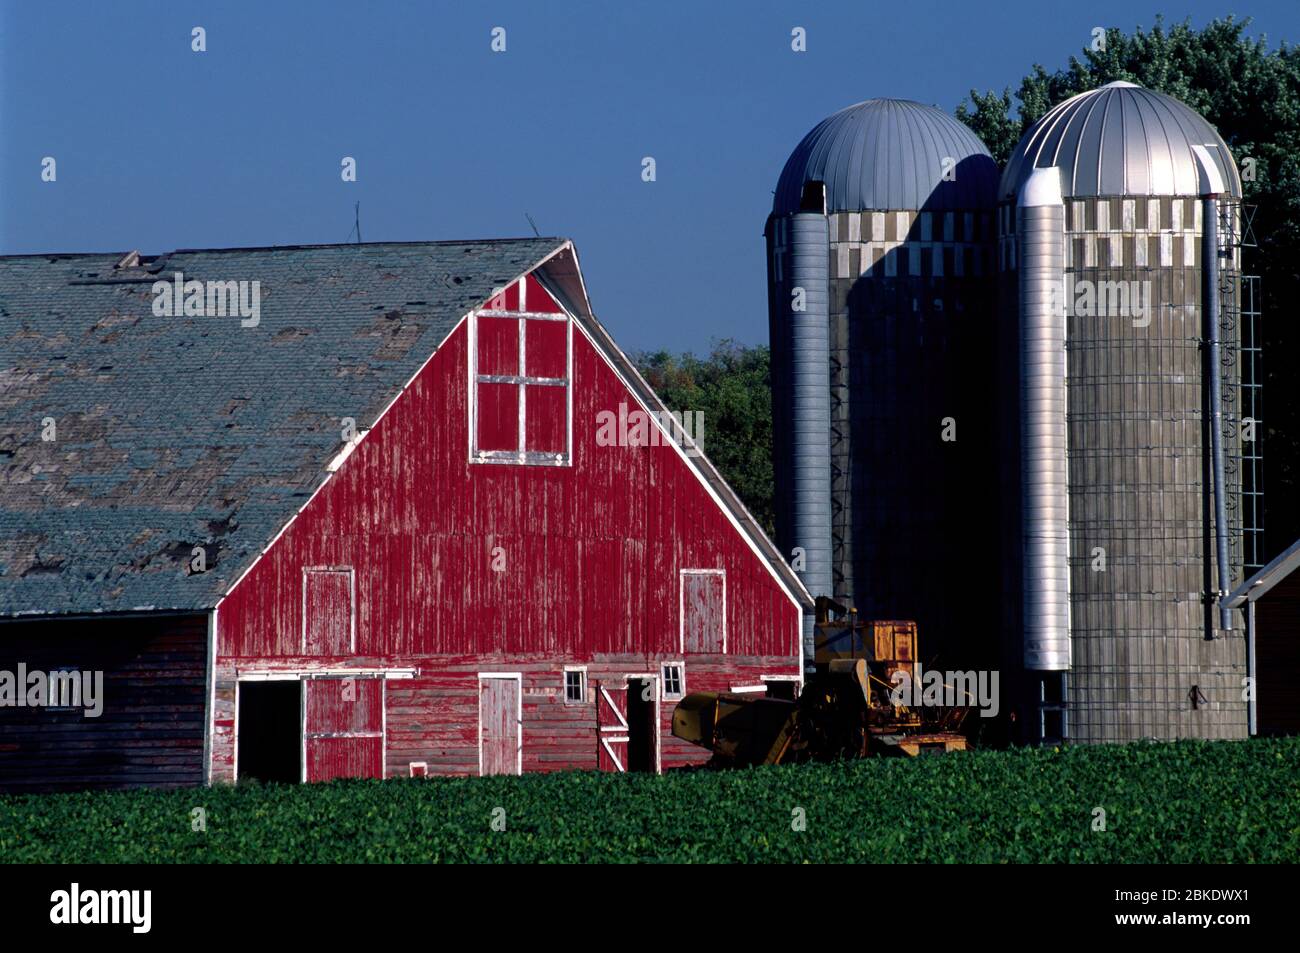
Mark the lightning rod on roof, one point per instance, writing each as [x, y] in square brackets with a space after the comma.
[533, 224]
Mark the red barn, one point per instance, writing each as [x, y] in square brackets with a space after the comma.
[397, 509]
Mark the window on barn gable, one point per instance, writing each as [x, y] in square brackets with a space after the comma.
[520, 374]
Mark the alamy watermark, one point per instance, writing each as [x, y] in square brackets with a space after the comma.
[208, 299]
[1109, 299]
[133, 908]
[65, 689]
[933, 688]
[639, 428]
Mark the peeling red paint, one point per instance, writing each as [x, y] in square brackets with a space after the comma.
[462, 567]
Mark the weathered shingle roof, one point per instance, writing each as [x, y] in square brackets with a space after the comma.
[174, 432]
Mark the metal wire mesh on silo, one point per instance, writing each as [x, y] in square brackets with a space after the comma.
[1141, 525]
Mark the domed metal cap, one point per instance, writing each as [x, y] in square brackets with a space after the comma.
[890, 154]
[1121, 139]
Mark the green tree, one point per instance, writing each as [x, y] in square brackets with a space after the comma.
[732, 388]
[1251, 94]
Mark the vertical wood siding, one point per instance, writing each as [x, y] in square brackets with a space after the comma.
[344, 728]
[504, 567]
[327, 601]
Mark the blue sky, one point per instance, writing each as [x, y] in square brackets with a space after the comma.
[159, 147]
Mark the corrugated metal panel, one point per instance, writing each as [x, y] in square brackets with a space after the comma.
[807, 333]
[1120, 139]
[889, 154]
[1040, 239]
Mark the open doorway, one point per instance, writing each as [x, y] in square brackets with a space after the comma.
[643, 724]
[270, 731]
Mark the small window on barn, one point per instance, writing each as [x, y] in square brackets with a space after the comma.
[520, 374]
[674, 680]
[575, 686]
[703, 611]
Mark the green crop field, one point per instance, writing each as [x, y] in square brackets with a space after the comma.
[1165, 803]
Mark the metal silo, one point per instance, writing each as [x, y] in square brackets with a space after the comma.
[901, 417]
[1119, 341]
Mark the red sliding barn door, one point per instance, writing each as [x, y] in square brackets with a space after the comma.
[344, 729]
[611, 727]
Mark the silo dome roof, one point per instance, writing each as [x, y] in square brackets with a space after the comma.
[889, 154]
[1120, 139]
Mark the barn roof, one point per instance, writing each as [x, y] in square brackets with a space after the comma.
[1285, 563]
[172, 432]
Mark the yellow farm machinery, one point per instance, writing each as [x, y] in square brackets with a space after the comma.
[852, 704]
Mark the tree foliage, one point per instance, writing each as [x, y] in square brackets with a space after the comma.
[1251, 94]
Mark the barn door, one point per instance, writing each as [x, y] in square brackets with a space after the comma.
[611, 727]
[500, 731]
[327, 612]
[343, 728]
[704, 611]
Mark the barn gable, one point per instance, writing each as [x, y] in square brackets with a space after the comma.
[460, 502]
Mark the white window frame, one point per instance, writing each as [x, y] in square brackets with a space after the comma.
[681, 606]
[680, 665]
[422, 766]
[520, 456]
[519, 717]
[352, 607]
[581, 670]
